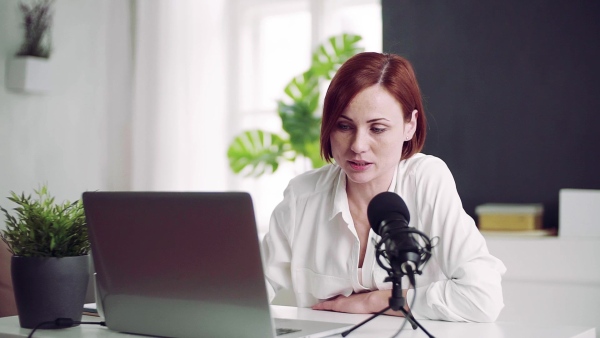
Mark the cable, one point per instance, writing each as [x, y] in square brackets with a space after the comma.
[411, 278]
[62, 323]
[395, 274]
[424, 252]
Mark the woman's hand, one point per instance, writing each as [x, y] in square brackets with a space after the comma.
[367, 302]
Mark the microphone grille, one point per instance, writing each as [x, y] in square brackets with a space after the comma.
[386, 206]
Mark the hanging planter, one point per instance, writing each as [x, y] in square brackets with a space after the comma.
[29, 70]
[28, 74]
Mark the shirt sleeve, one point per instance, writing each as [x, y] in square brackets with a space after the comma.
[276, 247]
[472, 291]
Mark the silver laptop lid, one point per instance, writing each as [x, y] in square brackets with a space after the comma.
[178, 264]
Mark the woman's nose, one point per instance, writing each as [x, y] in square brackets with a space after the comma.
[360, 143]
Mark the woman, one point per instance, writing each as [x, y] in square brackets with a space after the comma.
[320, 243]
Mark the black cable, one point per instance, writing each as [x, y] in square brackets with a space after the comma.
[62, 323]
[412, 283]
[411, 280]
[425, 252]
[395, 275]
[347, 332]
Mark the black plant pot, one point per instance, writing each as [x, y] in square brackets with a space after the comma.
[47, 288]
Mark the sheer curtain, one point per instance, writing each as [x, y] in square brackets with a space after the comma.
[179, 131]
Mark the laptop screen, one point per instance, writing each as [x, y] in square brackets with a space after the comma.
[178, 263]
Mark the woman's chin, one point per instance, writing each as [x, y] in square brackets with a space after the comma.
[359, 177]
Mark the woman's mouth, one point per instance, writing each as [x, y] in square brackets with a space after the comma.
[359, 165]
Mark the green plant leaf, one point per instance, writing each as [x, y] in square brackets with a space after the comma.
[301, 124]
[37, 21]
[313, 153]
[332, 54]
[304, 88]
[255, 152]
[45, 229]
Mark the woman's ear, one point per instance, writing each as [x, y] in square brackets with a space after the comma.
[410, 127]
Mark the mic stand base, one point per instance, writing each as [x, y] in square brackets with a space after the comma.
[413, 322]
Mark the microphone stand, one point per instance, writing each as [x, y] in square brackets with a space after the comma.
[397, 302]
[404, 255]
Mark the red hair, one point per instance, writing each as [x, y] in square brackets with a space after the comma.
[364, 70]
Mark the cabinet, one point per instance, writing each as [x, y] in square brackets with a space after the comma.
[550, 280]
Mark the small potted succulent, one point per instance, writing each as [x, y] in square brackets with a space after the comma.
[50, 264]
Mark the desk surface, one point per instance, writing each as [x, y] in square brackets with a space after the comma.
[383, 326]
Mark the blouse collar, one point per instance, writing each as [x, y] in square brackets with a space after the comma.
[340, 198]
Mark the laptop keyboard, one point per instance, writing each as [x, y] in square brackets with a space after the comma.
[280, 331]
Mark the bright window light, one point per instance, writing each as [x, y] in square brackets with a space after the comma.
[275, 44]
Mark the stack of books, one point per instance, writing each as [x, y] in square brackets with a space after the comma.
[515, 219]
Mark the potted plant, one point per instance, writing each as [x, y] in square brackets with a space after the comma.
[255, 152]
[50, 266]
[29, 71]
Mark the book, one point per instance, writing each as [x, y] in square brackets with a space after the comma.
[520, 233]
[509, 217]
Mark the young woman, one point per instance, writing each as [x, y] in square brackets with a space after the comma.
[320, 242]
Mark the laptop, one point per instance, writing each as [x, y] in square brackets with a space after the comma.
[183, 264]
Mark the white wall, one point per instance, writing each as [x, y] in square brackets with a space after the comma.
[73, 137]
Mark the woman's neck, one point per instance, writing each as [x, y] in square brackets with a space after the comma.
[362, 193]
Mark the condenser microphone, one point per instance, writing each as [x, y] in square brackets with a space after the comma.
[404, 256]
[389, 218]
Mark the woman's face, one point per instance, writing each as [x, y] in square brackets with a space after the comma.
[368, 137]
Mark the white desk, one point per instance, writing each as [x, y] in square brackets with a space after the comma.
[383, 326]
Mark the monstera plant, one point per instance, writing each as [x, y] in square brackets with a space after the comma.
[255, 152]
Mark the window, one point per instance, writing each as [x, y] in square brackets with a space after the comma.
[274, 40]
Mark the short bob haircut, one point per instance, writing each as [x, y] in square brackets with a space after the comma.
[364, 70]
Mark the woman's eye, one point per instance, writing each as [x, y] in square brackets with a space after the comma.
[343, 126]
[377, 130]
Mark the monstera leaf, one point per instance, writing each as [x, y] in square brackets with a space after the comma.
[304, 88]
[261, 151]
[331, 55]
[257, 152]
[301, 124]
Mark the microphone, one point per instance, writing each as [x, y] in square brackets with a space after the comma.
[389, 218]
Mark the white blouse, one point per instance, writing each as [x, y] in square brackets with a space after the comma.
[312, 247]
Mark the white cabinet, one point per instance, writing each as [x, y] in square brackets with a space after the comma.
[550, 279]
